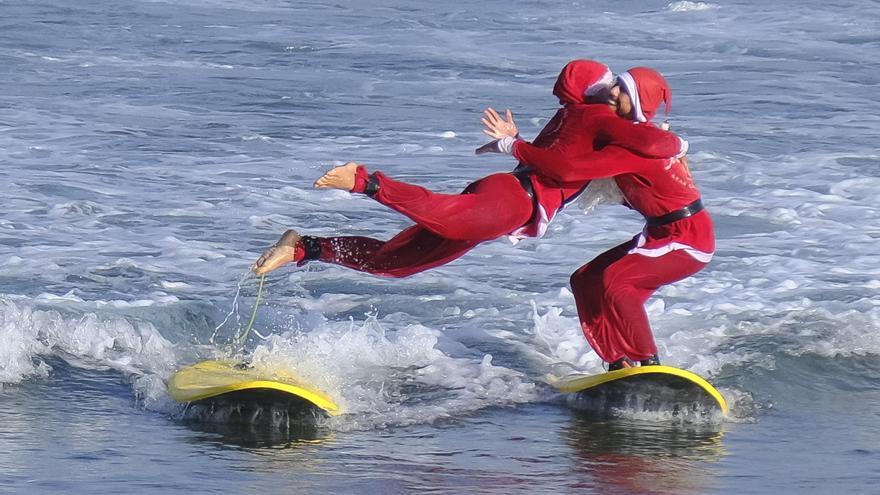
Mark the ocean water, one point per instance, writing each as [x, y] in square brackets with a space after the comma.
[150, 150]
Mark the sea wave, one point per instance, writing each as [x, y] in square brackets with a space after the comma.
[686, 6]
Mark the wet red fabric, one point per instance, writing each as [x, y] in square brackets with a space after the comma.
[447, 225]
[575, 131]
[611, 291]
[412, 251]
[652, 187]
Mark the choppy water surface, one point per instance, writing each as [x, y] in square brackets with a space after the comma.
[151, 150]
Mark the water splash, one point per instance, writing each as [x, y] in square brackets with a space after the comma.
[686, 6]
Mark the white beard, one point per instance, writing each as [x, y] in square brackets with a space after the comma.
[600, 191]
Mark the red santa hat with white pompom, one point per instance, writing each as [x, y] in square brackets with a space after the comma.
[647, 89]
[581, 79]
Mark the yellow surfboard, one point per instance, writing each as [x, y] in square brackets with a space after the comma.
[233, 381]
[683, 383]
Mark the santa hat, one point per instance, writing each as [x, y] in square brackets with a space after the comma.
[580, 79]
[647, 89]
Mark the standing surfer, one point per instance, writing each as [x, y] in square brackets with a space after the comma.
[677, 241]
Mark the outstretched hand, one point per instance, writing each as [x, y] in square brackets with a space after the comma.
[498, 127]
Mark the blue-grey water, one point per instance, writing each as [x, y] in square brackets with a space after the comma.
[150, 150]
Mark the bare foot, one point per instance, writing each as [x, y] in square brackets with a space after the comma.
[341, 177]
[282, 253]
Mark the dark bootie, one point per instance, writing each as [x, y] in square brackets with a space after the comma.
[620, 364]
[651, 361]
[311, 248]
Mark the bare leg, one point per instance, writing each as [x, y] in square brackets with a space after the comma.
[282, 253]
[341, 177]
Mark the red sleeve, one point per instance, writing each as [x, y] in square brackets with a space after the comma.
[607, 162]
[551, 161]
[572, 138]
[642, 139]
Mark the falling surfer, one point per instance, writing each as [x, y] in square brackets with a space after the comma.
[601, 131]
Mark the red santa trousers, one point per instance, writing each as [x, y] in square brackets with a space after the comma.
[447, 225]
[610, 292]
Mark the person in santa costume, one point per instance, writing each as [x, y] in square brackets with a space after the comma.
[519, 204]
[676, 242]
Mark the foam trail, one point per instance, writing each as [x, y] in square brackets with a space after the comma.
[85, 339]
[383, 374]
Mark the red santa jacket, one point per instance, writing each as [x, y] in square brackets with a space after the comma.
[653, 187]
[575, 130]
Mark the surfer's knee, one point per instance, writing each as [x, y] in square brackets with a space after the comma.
[582, 278]
[619, 293]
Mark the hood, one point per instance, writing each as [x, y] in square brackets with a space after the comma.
[580, 79]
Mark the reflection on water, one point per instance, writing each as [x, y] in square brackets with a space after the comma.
[645, 457]
[651, 396]
[262, 436]
[253, 425]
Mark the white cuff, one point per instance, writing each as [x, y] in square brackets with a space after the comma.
[684, 148]
[505, 145]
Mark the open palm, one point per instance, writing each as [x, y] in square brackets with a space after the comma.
[498, 127]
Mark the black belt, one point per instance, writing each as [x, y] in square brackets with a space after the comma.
[674, 216]
[523, 175]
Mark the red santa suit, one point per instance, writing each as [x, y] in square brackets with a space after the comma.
[678, 240]
[576, 129]
[519, 203]
[611, 290]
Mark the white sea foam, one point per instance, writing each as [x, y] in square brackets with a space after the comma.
[32, 335]
[130, 202]
[686, 6]
[382, 376]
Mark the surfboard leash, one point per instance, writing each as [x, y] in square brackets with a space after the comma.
[243, 337]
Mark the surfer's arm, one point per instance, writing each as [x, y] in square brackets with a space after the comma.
[642, 139]
[503, 131]
[607, 162]
[573, 136]
[551, 161]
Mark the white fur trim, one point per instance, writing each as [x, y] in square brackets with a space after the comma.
[684, 148]
[629, 84]
[505, 145]
[543, 221]
[695, 253]
[604, 82]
